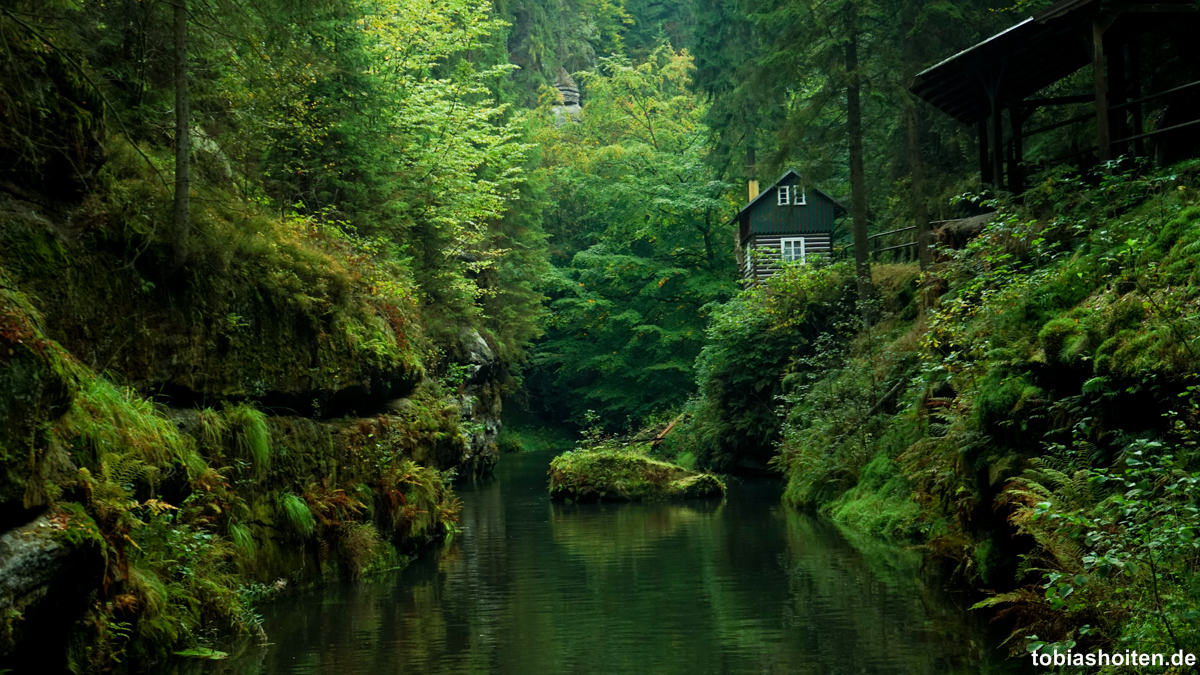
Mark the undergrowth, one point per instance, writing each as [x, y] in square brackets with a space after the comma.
[1024, 409]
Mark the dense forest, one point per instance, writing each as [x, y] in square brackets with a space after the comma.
[277, 275]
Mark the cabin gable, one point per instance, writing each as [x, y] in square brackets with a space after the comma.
[814, 214]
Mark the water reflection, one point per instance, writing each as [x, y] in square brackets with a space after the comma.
[530, 587]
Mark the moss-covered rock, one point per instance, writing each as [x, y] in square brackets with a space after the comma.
[264, 309]
[36, 386]
[626, 475]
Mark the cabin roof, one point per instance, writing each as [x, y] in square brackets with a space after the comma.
[838, 209]
[1026, 58]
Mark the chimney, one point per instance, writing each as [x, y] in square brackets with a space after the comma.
[753, 189]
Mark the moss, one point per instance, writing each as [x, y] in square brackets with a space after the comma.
[625, 475]
[881, 503]
[1054, 336]
[38, 381]
[1007, 403]
[175, 570]
[285, 311]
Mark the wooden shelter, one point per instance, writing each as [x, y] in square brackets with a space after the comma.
[1002, 73]
[789, 221]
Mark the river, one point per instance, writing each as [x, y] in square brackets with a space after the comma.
[745, 586]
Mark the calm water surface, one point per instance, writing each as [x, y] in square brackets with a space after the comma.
[746, 586]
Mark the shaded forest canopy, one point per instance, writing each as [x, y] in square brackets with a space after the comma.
[268, 269]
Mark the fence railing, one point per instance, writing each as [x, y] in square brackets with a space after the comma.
[901, 244]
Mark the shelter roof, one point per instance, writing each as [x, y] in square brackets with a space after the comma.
[1035, 53]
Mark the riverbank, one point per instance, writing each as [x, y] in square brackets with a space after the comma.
[996, 404]
[294, 440]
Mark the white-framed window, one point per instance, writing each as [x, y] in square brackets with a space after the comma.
[792, 250]
[799, 196]
[784, 195]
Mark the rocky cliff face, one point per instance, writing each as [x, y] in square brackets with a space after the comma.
[571, 108]
[479, 402]
[295, 434]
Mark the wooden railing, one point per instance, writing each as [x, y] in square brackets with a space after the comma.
[892, 242]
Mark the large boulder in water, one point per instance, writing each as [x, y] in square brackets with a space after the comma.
[626, 475]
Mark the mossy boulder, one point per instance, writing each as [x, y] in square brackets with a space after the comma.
[626, 475]
[36, 387]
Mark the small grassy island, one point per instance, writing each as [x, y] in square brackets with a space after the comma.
[626, 474]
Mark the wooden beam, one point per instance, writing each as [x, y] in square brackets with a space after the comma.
[1162, 131]
[1058, 125]
[893, 248]
[1151, 97]
[884, 234]
[1058, 100]
[1104, 134]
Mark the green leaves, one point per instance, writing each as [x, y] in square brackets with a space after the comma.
[640, 239]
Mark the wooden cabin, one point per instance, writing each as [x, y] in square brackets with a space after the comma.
[790, 221]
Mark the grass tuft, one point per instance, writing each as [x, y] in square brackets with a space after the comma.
[243, 540]
[296, 514]
[251, 436]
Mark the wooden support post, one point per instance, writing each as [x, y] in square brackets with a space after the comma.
[1016, 170]
[997, 143]
[985, 163]
[1115, 51]
[1104, 134]
[1135, 92]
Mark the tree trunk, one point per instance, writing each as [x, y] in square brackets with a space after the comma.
[182, 223]
[858, 183]
[920, 209]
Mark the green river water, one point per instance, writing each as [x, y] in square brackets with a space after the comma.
[745, 586]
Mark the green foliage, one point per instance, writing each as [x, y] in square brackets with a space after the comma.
[777, 78]
[549, 35]
[243, 540]
[416, 501]
[533, 438]
[507, 441]
[296, 514]
[1012, 424]
[639, 243]
[120, 438]
[781, 327]
[359, 199]
[1118, 562]
[167, 575]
